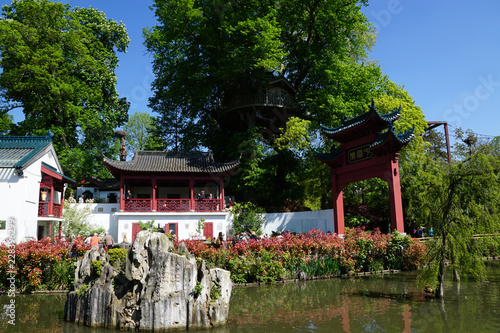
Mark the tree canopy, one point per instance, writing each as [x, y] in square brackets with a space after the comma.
[207, 52]
[142, 133]
[58, 65]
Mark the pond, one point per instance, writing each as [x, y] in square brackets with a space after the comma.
[376, 303]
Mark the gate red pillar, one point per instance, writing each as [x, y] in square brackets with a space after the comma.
[338, 205]
[397, 222]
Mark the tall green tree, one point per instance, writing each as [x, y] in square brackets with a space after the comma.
[58, 64]
[206, 52]
[6, 122]
[142, 133]
[457, 201]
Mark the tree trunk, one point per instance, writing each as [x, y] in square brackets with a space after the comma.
[456, 274]
[442, 262]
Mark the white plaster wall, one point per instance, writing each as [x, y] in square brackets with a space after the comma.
[300, 222]
[19, 201]
[103, 215]
[119, 224]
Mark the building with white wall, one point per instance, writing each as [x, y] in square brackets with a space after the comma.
[176, 190]
[32, 187]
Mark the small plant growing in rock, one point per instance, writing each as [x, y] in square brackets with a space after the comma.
[83, 289]
[117, 256]
[197, 289]
[97, 267]
[215, 293]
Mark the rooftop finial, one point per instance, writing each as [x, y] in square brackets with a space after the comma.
[123, 148]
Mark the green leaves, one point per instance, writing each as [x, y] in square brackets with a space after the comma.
[246, 217]
[58, 65]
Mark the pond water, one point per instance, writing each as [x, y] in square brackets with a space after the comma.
[377, 303]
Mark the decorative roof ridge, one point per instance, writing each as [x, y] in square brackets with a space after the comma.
[402, 138]
[173, 153]
[392, 116]
[201, 156]
[348, 123]
[328, 156]
[47, 137]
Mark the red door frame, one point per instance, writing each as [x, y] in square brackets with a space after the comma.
[176, 228]
[208, 230]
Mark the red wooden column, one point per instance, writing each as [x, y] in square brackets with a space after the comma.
[191, 194]
[122, 194]
[397, 222]
[338, 205]
[51, 203]
[222, 206]
[153, 202]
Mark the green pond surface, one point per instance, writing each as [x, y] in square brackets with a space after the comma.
[377, 303]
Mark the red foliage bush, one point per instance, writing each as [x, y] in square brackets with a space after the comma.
[358, 250]
[34, 262]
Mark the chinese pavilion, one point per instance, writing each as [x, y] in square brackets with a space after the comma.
[170, 187]
[368, 149]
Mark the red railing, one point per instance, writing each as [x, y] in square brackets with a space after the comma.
[172, 205]
[206, 205]
[138, 205]
[57, 210]
[43, 209]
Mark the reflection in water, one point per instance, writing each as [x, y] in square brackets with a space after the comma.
[388, 303]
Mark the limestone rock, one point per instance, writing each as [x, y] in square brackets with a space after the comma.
[154, 292]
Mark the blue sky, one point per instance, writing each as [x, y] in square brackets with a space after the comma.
[445, 53]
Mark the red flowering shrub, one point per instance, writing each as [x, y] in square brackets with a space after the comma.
[43, 264]
[78, 249]
[271, 259]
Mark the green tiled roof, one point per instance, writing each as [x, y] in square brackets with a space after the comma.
[160, 161]
[17, 151]
[402, 138]
[387, 119]
[329, 156]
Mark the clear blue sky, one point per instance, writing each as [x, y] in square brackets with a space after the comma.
[445, 53]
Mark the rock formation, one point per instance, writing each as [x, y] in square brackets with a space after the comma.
[155, 290]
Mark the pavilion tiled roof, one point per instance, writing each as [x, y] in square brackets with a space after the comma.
[390, 141]
[371, 121]
[17, 151]
[162, 161]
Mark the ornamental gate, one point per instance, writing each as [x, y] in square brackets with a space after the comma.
[369, 148]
